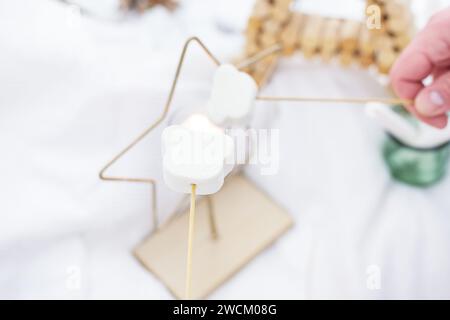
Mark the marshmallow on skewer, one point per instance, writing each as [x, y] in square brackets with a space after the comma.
[196, 152]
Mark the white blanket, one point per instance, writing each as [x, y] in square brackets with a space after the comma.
[74, 91]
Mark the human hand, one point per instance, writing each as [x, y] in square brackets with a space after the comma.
[428, 54]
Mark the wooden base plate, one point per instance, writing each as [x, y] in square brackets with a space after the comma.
[247, 222]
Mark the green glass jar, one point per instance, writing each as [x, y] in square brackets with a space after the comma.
[411, 165]
[418, 167]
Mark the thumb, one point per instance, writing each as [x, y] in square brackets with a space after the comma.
[434, 100]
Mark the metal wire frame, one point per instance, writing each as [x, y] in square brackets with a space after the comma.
[156, 123]
[273, 50]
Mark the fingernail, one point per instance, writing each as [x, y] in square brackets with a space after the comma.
[436, 98]
[434, 105]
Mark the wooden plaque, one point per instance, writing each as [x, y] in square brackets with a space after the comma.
[248, 221]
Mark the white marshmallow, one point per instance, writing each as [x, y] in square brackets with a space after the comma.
[232, 95]
[202, 156]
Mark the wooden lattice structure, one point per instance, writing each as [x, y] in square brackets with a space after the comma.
[347, 41]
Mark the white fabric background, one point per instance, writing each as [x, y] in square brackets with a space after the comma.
[74, 92]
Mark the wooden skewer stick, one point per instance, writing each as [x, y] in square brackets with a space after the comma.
[339, 100]
[190, 242]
